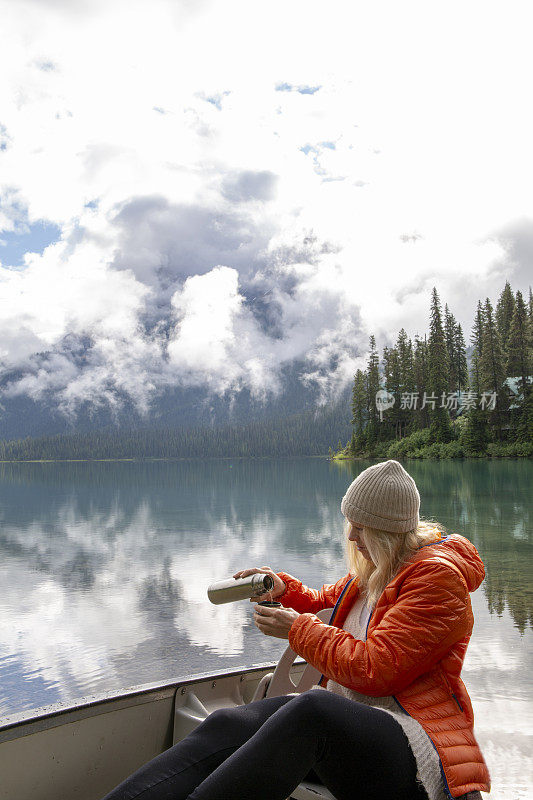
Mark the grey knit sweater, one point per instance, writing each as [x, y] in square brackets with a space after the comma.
[427, 759]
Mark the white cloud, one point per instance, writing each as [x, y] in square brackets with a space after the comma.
[216, 337]
[408, 167]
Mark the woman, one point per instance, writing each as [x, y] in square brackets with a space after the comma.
[391, 717]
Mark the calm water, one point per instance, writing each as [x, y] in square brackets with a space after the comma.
[104, 569]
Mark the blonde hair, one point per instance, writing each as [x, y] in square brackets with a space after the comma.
[388, 551]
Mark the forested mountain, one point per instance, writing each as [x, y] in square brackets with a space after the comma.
[177, 407]
[306, 434]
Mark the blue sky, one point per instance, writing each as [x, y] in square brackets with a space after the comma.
[32, 239]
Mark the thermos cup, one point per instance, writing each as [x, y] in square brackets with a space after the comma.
[232, 589]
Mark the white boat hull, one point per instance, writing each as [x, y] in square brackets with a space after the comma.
[82, 752]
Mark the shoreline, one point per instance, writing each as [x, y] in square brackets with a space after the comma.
[143, 459]
[334, 459]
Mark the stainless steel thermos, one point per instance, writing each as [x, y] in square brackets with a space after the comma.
[240, 588]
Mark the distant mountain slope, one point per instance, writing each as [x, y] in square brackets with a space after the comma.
[304, 434]
[176, 408]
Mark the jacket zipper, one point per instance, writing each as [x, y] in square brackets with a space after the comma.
[457, 701]
[443, 774]
[368, 623]
[339, 600]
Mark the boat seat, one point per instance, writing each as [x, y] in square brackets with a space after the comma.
[280, 682]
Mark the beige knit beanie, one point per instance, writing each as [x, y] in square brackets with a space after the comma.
[385, 497]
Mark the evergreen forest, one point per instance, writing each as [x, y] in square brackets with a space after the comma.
[309, 433]
[434, 397]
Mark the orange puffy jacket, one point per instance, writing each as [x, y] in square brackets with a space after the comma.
[416, 642]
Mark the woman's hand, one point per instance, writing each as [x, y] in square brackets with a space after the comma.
[275, 621]
[278, 588]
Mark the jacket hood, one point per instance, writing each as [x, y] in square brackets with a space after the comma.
[461, 553]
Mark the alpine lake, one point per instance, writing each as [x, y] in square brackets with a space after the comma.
[105, 565]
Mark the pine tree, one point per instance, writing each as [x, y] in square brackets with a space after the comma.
[476, 339]
[392, 375]
[372, 387]
[449, 334]
[504, 315]
[404, 346]
[421, 378]
[524, 430]
[440, 428]
[519, 366]
[456, 351]
[517, 351]
[461, 366]
[476, 435]
[359, 412]
[530, 329]
[491, 367]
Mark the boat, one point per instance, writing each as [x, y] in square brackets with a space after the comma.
[82, 751]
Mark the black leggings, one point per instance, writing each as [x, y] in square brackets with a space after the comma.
[264, 749]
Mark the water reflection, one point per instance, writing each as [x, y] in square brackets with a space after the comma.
[105, 566]
[104, 570]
